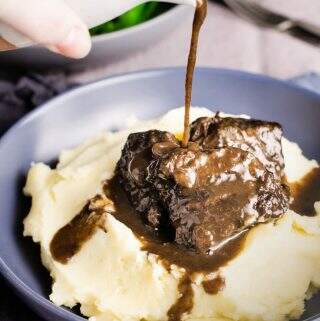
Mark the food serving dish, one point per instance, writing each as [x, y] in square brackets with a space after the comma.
[83, 112]
[107, 47]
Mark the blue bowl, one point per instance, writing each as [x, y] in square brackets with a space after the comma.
[83, 112]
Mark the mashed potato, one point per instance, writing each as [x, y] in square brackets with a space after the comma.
[113, 279]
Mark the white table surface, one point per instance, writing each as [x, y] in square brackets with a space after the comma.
[229, 42]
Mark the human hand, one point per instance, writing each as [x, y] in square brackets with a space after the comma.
[51, 23]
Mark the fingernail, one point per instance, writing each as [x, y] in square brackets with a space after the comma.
[76, 45]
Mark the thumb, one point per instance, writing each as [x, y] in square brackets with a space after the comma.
[51, 23]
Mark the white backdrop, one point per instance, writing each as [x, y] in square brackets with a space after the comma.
[230, 42]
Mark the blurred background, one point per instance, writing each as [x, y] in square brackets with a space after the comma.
[229, 41]
[162, 39]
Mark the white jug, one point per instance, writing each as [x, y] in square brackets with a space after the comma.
[92, 12]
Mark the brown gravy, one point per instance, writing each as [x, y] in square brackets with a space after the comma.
[171, 253]
[213, 286]
[305, 193]
[168, 252]
[185, 302]
[199, 17]
[70, 238]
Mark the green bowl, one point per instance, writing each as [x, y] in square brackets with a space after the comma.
[133, 17]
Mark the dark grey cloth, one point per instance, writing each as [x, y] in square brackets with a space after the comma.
[20, 93]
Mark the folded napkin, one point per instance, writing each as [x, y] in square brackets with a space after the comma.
[21, 92]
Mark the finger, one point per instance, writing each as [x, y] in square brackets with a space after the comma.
[48, 22]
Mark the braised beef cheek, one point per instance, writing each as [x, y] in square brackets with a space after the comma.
[228, 178]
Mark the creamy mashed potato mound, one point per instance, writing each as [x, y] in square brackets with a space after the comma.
[113, 279]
